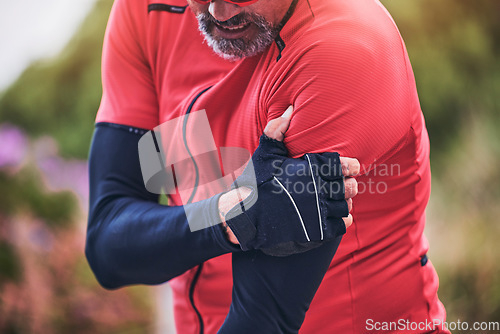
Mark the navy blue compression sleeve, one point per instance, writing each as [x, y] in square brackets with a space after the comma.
[131, 239]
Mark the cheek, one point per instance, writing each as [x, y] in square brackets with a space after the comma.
[196, 7]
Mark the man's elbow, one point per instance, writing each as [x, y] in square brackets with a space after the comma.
[103, 271]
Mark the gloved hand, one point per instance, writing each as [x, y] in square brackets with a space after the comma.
[298, 203]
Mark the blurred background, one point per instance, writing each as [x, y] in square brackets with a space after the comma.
[49, 93]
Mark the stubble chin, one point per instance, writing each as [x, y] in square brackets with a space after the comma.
[239, 48]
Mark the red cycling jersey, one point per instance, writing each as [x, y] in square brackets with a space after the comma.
[345, 69]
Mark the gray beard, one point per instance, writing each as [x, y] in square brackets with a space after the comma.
[236, 49]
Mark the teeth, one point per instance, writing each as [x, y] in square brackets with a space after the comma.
[237, 27]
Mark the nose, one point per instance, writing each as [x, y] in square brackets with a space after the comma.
[223, 11]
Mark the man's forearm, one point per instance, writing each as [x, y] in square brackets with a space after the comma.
[272, 294]
[131, 239]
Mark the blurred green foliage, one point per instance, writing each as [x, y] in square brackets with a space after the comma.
[57, 97]
[454, 47]
[60, 96]
[10, 267]
[27, 195]
[46, 285]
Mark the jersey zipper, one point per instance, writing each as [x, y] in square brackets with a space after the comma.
[196, 181]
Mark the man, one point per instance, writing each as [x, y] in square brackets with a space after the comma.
[343, 66]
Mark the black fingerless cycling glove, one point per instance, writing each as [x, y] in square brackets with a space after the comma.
[298, 203]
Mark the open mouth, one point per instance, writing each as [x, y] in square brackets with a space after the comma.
[234, 31]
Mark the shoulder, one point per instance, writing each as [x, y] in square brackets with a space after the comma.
[347, 71]
[352, 50]
[351, 32]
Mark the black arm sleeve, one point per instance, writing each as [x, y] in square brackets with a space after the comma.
[131, 239]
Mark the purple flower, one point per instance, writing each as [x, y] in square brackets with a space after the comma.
[14, 146]
[60, 174]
